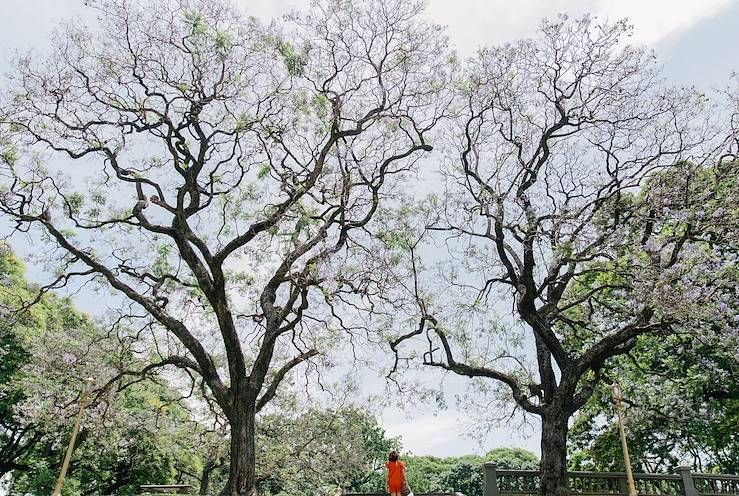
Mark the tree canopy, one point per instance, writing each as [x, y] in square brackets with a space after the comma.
[561, 221]
[231, 167]
[254, 204]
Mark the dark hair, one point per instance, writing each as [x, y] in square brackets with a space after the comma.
[393, 456]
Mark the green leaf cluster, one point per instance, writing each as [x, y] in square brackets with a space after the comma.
[463, 474]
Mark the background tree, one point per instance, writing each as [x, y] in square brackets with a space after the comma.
[553, 135]
[228, 166]
[16, 437]
[149, 440]
[38, 334]
[142, 431]
[682, 388]
[731, 103]
[464, 473]
[681, 407]
[318, 451]
[136, 432]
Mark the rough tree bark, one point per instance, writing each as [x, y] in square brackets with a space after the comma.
[554, 451]
[242, 478]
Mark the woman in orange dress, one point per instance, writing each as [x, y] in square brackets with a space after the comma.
[395, 474]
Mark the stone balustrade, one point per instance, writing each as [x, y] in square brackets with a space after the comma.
[501, 482]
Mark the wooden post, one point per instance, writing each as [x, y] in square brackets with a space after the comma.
[617, 397]
[688, 484]
[84, 399]
[491, 480]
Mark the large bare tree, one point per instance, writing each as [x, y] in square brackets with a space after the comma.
[211, 171]
[551, 237]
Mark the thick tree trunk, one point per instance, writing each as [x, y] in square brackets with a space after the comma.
[242, 471]
[554, 453]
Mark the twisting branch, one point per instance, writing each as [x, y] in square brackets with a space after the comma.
[271, 390]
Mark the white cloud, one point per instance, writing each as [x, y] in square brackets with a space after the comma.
[426, 434]
[473, 23]
[443, 434]
[483, 22]
[655, 20]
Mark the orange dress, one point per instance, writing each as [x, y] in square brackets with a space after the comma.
[395, 476]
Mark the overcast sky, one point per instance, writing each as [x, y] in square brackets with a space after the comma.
[696, 41]
[694, 38]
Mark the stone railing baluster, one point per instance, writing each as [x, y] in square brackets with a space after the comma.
[687, 478]
[491, 479]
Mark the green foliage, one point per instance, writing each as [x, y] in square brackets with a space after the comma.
[294, 62]
[8, 153]
[683, 407]
[682, 387]
[513, 458]
[142, 436]
[196, 21]
[321, 450]
[223, 41]
[15, 439]
[76, 201]
[424, 472]
[320, 104]
[264, 170]
[463, 474]
[464, 477]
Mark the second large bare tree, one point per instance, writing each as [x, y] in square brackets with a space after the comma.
[555, 238]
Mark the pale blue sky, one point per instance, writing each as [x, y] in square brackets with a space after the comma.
[696, 41]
